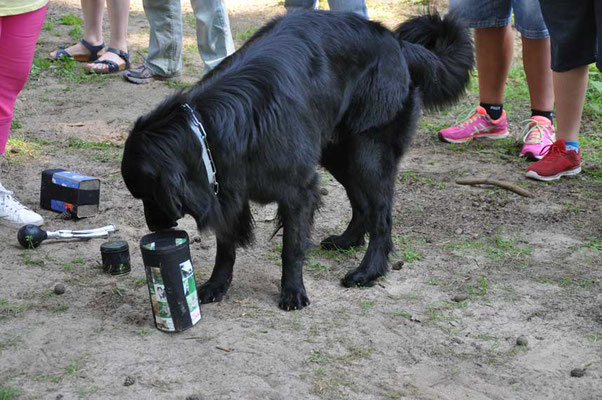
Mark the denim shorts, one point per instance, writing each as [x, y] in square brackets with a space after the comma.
[497, 13]
[575, 32]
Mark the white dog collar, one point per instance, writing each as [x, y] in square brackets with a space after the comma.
[199, 131]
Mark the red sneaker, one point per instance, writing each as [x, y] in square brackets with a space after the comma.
[556, 163]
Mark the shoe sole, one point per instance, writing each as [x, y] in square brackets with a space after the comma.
[535, 175]
[15, 225]
[491, 136]
[142, 81]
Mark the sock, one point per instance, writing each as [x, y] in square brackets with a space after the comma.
[572, 146]
[548, 114]
[493, 110]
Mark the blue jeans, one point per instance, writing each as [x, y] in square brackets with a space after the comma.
[214, 39]
[497, 13]
[356, 6]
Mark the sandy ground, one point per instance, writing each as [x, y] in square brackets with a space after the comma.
[528, 267]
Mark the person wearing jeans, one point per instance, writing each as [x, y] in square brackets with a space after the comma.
[20, 25]
[356, 6]
[164, 60]
[493, 44]
[576, 37]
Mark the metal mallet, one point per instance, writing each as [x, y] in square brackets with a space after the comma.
[31, 236]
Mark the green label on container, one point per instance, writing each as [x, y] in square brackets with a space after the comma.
[159, 299]
[190, 291]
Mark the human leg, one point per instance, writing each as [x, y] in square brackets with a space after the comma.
[355, 6]
[214, 38]
[92, 13]
[165, 41]
[493, 47]
[119, 12]
[298, 5]
[18, 37]
[539, 131]
[573, 29]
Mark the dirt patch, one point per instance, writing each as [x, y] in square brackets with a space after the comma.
[526, 266]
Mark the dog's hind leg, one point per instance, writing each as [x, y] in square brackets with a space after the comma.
[296, 214]
[334, 159]
[375, 181]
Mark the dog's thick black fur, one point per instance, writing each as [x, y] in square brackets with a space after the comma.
[314, 88]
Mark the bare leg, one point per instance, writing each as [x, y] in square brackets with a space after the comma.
[570, 88]
[92, 11]
[536, 60]
[119, 12]
[494, 55]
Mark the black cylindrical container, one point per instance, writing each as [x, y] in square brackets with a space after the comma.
[170, 279]
[115, 257]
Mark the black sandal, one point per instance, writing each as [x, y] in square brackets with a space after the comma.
[93, 56]
[113, 66]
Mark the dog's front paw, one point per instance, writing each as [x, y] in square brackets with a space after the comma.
[212, 291]
[359, 277]
[293, 299]
[335, 242]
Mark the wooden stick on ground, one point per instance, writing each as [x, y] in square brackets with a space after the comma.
[495, 182]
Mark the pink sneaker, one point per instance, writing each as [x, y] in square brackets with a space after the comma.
[478, 124]
[539, 136]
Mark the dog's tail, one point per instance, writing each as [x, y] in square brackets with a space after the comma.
[439, 55]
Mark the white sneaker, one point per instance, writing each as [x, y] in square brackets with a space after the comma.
[15, 214]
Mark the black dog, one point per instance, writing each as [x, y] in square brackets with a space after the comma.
[308, 89]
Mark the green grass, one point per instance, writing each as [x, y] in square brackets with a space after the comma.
[16, 124]
[594, 244]
[76, 32]
[49, 24]
[178, 84]
[366, 306]
[318, 268]
[7, 393]
[480, 289]
[11, 341]
[86, 392]
[99, 151]
[410, 256]
[70, 265]
[29, 261]
[246, 35]
[40, 64]
[59, 308]
[20, 149]
[75, 142]
[318, 357]
[70, 20]
[593, 98]
[8, 309]
[496, 248]
[406, 246]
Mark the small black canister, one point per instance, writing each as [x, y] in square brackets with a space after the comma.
[115, 257]
[170, 279]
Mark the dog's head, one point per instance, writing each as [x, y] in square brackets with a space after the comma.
[162, 166]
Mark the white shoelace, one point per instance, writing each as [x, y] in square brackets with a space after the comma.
[530, 126]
